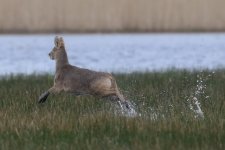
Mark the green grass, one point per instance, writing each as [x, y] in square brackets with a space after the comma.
[165, 120]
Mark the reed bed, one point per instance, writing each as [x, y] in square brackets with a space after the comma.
[164, 120]
[111, 16]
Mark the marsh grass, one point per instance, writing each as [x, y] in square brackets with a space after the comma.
[164, 120]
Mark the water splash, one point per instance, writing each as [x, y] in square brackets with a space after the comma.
[138, 111]
[195, 106]
[193, 100]
[142, 108]
[128, 109]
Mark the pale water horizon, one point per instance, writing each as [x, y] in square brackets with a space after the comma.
[123, 53]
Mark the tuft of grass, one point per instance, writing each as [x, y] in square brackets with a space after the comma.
[165, 119]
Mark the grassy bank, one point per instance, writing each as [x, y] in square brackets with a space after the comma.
[166, 103]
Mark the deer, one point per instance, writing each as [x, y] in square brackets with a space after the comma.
[80, 81]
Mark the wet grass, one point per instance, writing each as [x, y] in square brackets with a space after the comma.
[162, 101]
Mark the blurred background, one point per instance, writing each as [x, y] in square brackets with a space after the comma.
[28, 28]
[41, 16]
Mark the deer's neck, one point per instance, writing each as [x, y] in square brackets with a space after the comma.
[62, 60]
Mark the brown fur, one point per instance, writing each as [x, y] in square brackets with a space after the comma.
[77, 80]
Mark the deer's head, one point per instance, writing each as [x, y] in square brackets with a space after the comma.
[58, 49]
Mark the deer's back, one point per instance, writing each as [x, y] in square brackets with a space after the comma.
[84, 81]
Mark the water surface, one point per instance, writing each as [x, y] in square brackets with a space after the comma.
[114, 52]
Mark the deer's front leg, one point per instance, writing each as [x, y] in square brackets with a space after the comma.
[45, 95]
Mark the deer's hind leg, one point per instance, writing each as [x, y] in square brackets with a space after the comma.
[117, 97]
[122, 100]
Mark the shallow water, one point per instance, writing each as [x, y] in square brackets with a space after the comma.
[114, 52]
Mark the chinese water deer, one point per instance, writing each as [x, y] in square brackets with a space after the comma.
[80, 81]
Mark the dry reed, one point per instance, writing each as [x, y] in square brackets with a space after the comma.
[111, 16]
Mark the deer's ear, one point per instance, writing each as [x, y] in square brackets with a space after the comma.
[59, 42]
[56, 41]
